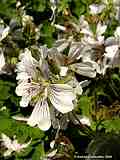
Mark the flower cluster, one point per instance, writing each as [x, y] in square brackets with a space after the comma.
[47, 76]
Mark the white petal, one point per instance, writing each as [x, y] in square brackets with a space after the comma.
[117, 32]
[18, 118]
[25, 101]
[27, 91]
[2, 59]
[87, 32]
[86, 69]
[88, 40]
[22, 76]
[52, 144]
[62, 96]
[85, 120]
[63, 46]
[111, 51]
[74, 51]
[7, 153]
[77, 89]
[20, 88]
[62, 28]
[51, 154]
[27, 66]
[85, 83]
[100, 29]
[63, 71]
[40, 116]
[6, 141]
[5, 33]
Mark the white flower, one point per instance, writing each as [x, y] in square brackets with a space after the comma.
[69, 62]
[12, 145]
[90, 38]
[96, 8]
[35, 88]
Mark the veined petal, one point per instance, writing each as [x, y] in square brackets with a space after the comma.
[111, 51]
[86, 69]
[62, 96]
[40, 116]
[74, 51]
[62, 44]
[20, 88]
[27, 91]
[27, 65]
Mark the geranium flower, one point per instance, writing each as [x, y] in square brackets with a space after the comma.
[38, 89]
[91, 38]
[12, 145]
[71, 60]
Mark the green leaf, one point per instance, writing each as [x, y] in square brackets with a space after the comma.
[39, 5]
[79, 8]
[5, 121]
[84, 105]
[112, 125]
[39, 153]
